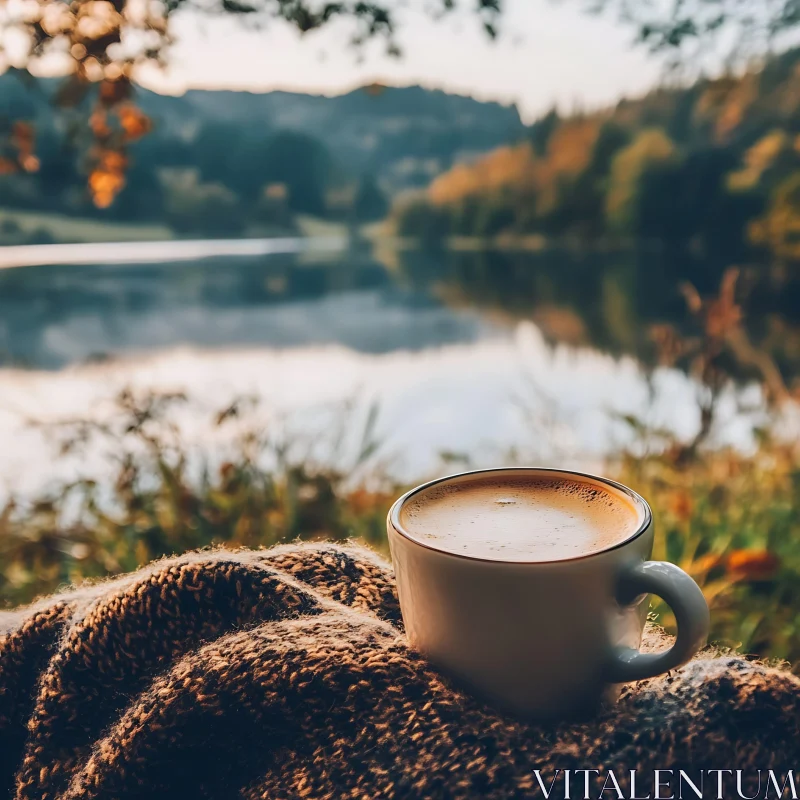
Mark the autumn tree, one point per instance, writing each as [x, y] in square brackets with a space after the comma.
[779, 228]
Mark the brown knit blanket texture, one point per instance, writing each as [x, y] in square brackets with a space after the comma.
[284, 673]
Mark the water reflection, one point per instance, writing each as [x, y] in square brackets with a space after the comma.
[57, 315]
[477, 402]
[611, 300]
[473, 353]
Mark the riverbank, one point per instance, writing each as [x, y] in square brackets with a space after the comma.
[730, 519]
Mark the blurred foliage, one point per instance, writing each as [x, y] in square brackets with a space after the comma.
[649, 149]
[96, 40]
[161, 500]
[779, 227]
[687, 32]
[732, 521]
[192, 206]
[18, 149]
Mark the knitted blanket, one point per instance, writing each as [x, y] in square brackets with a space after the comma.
[284, 673]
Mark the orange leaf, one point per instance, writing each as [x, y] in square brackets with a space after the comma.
[753, 564]
[682, 505]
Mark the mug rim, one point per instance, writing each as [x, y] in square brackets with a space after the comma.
[393, 517]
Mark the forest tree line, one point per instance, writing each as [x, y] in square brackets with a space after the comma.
[712, 168]
[228, 182]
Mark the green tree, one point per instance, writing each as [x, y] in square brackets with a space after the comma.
[204, 208]
[578, 209]
[417, 218]
[370, 203]
[496, 215]
[302, 164]
[649, 148]
[541, 130]
[688, 201]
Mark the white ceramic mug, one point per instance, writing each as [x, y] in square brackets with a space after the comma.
[546, 640]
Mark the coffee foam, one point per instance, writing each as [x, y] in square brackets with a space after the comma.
[520, 519]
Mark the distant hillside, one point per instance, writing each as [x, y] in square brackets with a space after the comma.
[226, 162]
[404, 136]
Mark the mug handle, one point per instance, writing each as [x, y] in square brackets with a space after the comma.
[683, 595]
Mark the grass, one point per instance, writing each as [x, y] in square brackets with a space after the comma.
[61, 228]
[161, 501]
[65, 229]
[732, 521]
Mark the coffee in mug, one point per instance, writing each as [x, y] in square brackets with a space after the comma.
[538, 518]
[530, 587]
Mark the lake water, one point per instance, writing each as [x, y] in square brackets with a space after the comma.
[484, 359]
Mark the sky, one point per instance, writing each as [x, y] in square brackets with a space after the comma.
[549, 52]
